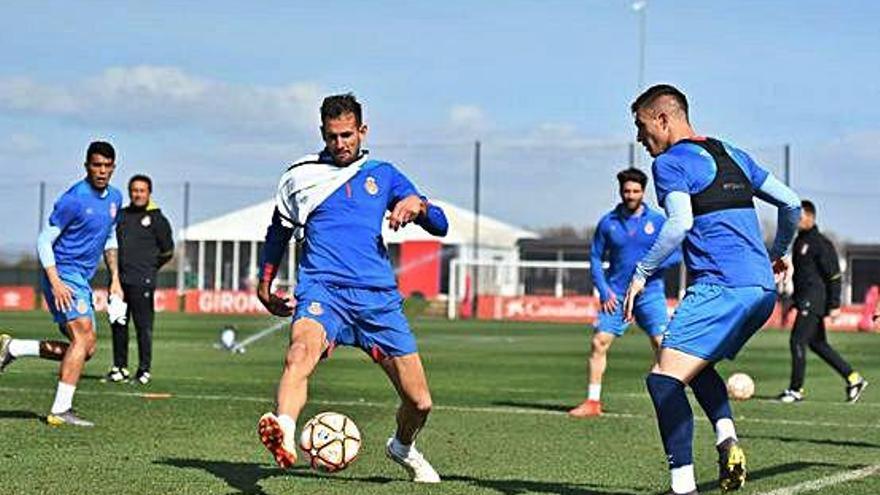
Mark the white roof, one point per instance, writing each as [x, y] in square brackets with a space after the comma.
[250, 223]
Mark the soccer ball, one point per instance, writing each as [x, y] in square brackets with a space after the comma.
[740, 386]
[331, 441]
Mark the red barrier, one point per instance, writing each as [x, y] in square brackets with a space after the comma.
[164, 300]
[222, 301]
[419, 268]
[17, 298]
[581, 309]
[585, 309]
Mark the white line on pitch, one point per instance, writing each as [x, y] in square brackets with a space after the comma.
[834, 479]
[438, 407]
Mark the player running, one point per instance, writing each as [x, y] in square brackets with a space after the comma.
[80, 228]
[623, 236]
[706, 187]
[346, 294]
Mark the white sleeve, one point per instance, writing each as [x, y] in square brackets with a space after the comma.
[285, 203]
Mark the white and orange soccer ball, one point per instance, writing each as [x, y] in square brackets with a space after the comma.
[331, 441]
[740, 386]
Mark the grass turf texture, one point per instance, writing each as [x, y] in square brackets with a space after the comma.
[500, 392]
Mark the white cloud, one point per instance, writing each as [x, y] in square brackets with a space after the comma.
[164, 97]
[468, 118]
[20, 142]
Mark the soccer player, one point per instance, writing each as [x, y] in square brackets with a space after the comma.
[623, 236]
[816, 295]
[346, 294]
[80, 229]
[706, 187]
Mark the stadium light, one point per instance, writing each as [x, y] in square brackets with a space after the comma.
[641, 7]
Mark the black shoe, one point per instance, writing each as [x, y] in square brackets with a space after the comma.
[731, 465]
[855, 388]
[142, 378]
[117, 375]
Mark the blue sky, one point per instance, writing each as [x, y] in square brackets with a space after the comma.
[222, 95]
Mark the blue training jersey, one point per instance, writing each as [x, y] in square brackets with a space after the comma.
[343, 242]
[726, 246]
[86, 218]
[623, 239]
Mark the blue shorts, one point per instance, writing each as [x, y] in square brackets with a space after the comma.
[649, 312]
[714, 322]
[371, 319]
[83, 306]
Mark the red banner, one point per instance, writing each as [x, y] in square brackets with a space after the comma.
[223, 301]
[578, 309]
[164, 300]
[585, 309]
[17, 298]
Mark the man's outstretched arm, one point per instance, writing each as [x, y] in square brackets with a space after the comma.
[277, 238]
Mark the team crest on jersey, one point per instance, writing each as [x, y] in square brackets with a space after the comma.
[112, 210]
[146, 221]
[316, 309]
[370, 186]
[82, 306]
[649, 227]
[805, 249]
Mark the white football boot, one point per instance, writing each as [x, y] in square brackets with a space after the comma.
[419, 469]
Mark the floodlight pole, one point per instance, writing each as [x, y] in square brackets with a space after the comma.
[181, 261]
[787, 164]
[642, 8]
[475, 247]
[42, 206]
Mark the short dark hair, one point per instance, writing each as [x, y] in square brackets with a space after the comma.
[102, 148]
[632, 174]
[141, 178]
[335, 106]
[808, 207]
[656, 91]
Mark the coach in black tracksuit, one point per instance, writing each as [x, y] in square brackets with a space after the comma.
[817, 282]
[145, 244]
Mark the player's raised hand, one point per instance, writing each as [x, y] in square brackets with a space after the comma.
[405, 211]
[278, 306]
[610, 305]
[636, 286]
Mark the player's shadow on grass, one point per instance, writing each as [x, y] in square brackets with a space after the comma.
[816, 441]
[534, 405]
[517, 487]
[245, 476]
[769, 472]
[17, 414]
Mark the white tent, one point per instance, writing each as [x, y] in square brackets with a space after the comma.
[247, 227]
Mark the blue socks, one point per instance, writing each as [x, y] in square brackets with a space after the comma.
[711, 393]
[674, 418]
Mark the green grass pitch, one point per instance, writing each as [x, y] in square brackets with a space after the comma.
[500, 391]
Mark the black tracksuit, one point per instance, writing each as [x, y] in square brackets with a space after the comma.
[817, 281]
[145, 244]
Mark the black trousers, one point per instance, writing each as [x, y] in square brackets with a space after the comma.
[809, 331]
[140, 310]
